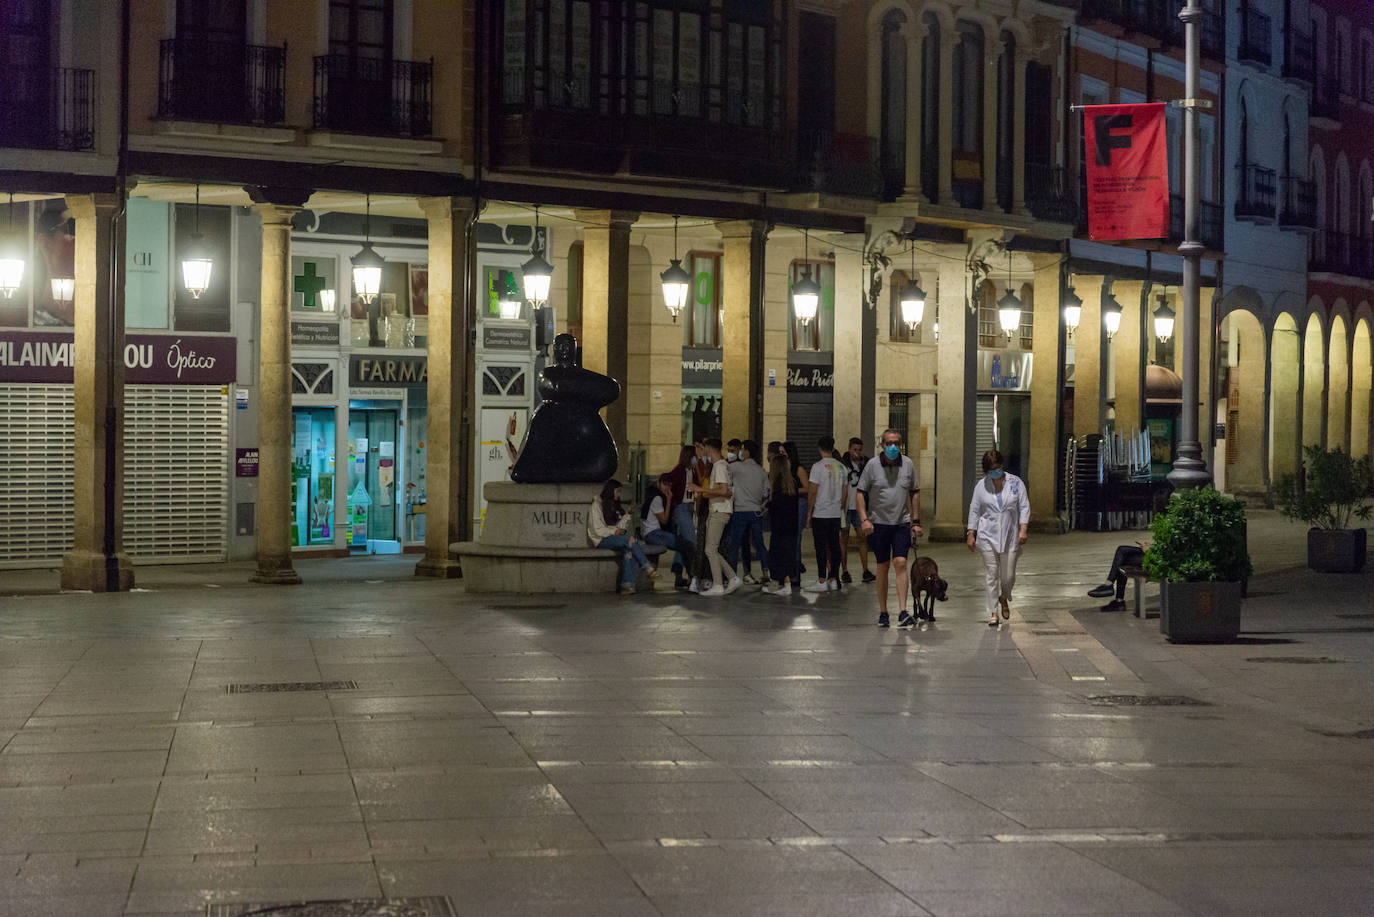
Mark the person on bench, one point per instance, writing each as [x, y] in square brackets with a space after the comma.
[1127, 555]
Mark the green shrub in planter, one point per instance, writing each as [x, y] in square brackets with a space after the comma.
[1199, 538]
[1333, 496]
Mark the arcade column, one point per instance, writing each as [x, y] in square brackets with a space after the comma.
[742, 337]
[606, 307]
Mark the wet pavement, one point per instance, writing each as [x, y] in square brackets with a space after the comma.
[210, 742]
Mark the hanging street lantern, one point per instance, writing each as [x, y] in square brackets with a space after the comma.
[913, 304]
[1111, 315]
[367, 264]
[12, 249]
[1009, 313]
[1073, 310]
[806, 293]
[196, 262]
[536, 274]
[676, 281]
[1164, 321]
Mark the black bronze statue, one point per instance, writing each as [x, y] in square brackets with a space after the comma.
[567, 441]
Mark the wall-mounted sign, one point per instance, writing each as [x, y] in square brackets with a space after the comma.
[241, 399]
[506, 337]
[1004, 370]
[246, 463]
[810, 377]
[387, 371]
[702, 367]
[167, 359]
[315, 334]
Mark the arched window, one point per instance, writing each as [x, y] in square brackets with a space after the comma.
[930, 108]
[968, 116]
[1006, 119]
[893, 124]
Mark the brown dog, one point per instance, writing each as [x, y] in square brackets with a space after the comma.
[927, 587]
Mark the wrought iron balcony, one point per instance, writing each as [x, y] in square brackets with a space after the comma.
[1209, 224]
[222, 82]
[1157, 18]
[1254, 36]
[1047, 193]
[1298, 209]
[844, 164]
[1297, 55]
[56, 113]
[362, 95]
[1342, 253]
[1255, 194]
[1325, 105]
[1213, 40]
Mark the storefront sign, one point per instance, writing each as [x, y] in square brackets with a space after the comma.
[315, 334]
[702, 367]
[505, 337]
[148, 358]
[246, 463]
[807, 377]
[1004, 370]
[387, 372]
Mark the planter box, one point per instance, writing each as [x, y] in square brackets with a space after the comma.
[1199, 612]
[1338, 551]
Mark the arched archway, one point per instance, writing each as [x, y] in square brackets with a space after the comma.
[1313, 418]
[1337, 387]
[1243, 390]
[1283, 397]
[1361, 381]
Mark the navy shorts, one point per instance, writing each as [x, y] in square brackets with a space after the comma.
[851, 521]
[888, 541]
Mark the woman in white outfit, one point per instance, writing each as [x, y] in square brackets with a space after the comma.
[997, 518]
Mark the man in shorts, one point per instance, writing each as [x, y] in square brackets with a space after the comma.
[889, 504]
[854, 461]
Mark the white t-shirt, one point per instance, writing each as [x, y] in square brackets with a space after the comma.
[651, 519]
[829, 478]
[720, 474]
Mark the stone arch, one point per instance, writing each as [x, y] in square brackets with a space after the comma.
[1337, 382]
[1284, 379]
[1361, 383]
[1313, 417]
[876, 18]
[1243, 392]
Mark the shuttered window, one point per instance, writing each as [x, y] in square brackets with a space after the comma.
[37, 429]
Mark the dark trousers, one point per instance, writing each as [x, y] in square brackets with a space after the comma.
[746, 526]
[700, 568]
[826, 533]
[1127, 555]
[781, 559]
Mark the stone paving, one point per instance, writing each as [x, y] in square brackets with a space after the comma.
[369, 735]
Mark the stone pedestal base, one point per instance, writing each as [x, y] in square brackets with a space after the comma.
[91, 570]
[439, 569]
[275, 572]
[534, 539]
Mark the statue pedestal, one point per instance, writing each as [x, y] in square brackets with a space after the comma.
[534, 539]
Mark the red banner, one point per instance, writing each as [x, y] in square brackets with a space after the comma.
[1128, 171]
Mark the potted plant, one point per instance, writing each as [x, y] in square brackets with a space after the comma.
[1198, 555]
[1333, 493]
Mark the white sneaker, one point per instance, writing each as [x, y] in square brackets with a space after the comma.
[749, 580]
[713, 592]
[834, 585]
[819, 586]
[734, 584]
[783, 589]
[695, 587]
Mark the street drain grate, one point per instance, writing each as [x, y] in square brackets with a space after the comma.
[281, 687]
[1296, 660]
[431, 906]
[1145, 700]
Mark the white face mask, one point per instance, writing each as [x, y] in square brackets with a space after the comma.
[731, 456]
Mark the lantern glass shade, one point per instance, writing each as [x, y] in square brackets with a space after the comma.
[913, 305]
[1164, 323]
[1073, 309]
[806, 298]
[11, 274]
[1111, 315]
[367, 273]
[676, 283]
[63, 288]
[327, 300]
[1009, 313]
[536, 275]
[510, 307]
[196, 267]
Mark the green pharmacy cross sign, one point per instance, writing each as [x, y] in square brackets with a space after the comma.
[309, 284]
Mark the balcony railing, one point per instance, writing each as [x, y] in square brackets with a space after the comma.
[1255, 196]
[1213, 33]
[1297, 55]
[1254, 36]
[1326, 100]
[223, 82]
[1299, 204]
[1342, 253]
[1209, 228]
[47, 110]
[363, 95]
[1047, 193]
[843, 164]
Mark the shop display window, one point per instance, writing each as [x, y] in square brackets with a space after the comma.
[312, 476]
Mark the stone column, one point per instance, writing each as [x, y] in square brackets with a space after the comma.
[1207, 371]
[850, 319]
[654, 403]
[777, 339]
[949, 40]
[956, 404]
[1128, 354]
[97, 560]
[1087, 356]
[1046, 326]
[1018, 137]
[991, 62]
[742, 334]
[451, 234]
[915, 38]
[606, 307]
[274, 393]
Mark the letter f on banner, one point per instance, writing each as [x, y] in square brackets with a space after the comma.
[1127, 171]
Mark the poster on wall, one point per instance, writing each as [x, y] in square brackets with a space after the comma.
[503, 430]
[1161, 430]
[419, 289]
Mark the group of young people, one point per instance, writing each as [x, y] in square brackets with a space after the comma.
[709, 510]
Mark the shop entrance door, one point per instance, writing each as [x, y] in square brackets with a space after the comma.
[373, 453]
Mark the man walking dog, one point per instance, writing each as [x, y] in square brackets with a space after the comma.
[889, 503]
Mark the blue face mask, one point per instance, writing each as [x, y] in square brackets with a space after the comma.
[892, 452]
[996, 473]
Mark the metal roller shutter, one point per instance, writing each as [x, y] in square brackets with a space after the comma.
[37, 430]
[985, 434]
[808, 419]
[176, 473]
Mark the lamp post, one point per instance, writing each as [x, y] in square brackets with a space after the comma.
[1190, 470]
